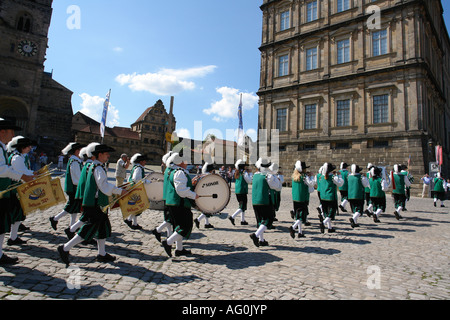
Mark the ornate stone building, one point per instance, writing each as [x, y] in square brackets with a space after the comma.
[147, 134]
[29, 95]
[346, 82]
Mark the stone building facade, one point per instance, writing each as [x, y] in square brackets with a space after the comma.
[356, 81]
[147, 135]
[29, 95]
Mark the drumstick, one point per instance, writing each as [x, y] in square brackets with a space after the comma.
[214, 196]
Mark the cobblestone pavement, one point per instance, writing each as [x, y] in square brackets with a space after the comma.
[398, 260]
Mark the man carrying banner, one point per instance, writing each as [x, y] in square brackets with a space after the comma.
[7, 132]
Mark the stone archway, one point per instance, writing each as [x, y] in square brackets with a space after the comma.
[15, 110]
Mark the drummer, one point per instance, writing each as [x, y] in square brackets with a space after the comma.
[178, 199]
[207, 169]
[73, 172]
[243, 178]
[19, 147]
[137, 174]
[167, 224]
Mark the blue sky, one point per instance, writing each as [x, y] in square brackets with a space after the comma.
[202, 52]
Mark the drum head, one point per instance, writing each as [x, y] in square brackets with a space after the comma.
[214, 194]
[155, 189]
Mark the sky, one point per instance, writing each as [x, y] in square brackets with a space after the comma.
[202, 52]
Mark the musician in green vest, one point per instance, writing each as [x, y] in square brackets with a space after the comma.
[179, 195]
[7, 174]
[168, 221]
[356, 189]
[276, 195]
[85, 152]
[439, 189]
[73, 172]
[19, 147]
[243, 177]
[95, 198]
[302, 184]
[369, 210]
[137, 174]
[344, 189]
[263, 182]
[208, 168]
[379, 184]
[328, 185]
[401, 183]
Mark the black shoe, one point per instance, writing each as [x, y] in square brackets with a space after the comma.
[320, 218]
[263, 243]
[17, 242]
[255, 239]
[352, 223]
[332, 230]
[23, 228]
[301, 235]
[167, 248]
[244, 223]
[69, 233]
[397, 216]
[275, 219]
[209, 226]
[64, 255]
[292, 232]
[375, 219]
[292, 214]
[136, 227]
[342, 208]
[129, 223]
[435, 204]
[442, 206]
[307, 224]
[157, 235]
[322, 227]
[5, 260]
[197, 223]
[232, 220]
[184, 252]
[106, 258]
[54, 223]
[319, 210]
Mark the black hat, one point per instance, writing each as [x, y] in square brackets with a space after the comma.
[72, 147]
[330, 167]
[102, 148]
[8, 124]
[138, 158]
[23, 142]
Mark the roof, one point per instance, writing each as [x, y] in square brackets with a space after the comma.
[116, 132]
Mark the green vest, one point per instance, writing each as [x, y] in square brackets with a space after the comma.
[260, 190]
[130, 179]
[376, 190]
[82, 184]
[241, 186]
[172, 197]
[300, 191]
[439, 185]
[355, 187]
[69, 187]
[91, 190]
[5, 182]
[344, 175]
[367, 190]
[167, 173]
[399, 183]
[328, 190]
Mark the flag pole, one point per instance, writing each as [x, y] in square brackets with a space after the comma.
[104, 116]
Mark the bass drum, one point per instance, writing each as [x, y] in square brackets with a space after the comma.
[155, 189]
[214, 193]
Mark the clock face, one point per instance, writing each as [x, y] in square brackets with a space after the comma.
[27, 48]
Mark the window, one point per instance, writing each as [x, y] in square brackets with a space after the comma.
[283, 65]
[380, 109]
[311, 59]
[379, 43]
[343, 51]
[310, 116]
[285, 20]
[343, 5]
[343, 113]
[311, 11]
[24, 23]
[281, 119]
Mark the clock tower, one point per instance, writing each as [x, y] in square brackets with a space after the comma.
[28, 95]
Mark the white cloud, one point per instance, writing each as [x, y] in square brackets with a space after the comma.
[118, 49]
[166, 81]
[227, 107]
[92, 106]
[183, 133]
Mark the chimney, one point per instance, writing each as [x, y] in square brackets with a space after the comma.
[171, 105]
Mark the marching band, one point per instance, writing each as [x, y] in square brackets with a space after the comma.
[90, 193]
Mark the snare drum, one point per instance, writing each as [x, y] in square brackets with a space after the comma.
[155, 189]
[214, 193]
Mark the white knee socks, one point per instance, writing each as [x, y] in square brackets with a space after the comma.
[166, 225]
[298, 224]
[76, 226]
[14, 230]
[72, 243]
[356, 216]
[101, 245]
[327, 222]
[60, 215]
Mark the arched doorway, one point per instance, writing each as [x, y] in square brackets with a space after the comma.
[14, 110]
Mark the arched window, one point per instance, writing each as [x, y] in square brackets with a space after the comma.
[24, 22]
